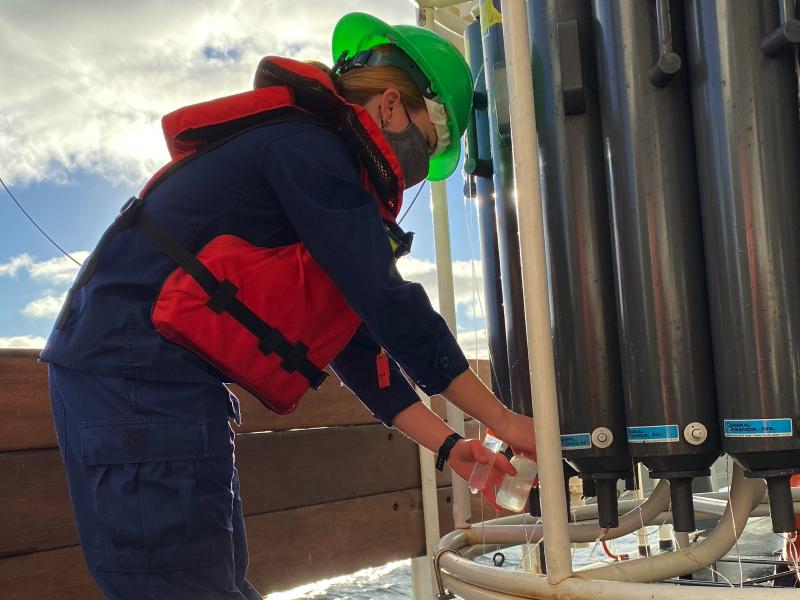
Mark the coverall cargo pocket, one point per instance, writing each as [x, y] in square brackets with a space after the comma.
[161, 490]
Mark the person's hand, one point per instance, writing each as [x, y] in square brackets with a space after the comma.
[468, 453]
[517, 431]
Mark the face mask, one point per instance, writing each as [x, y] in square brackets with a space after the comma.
[411, 149]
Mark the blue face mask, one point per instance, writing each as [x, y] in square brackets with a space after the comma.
[411, 149]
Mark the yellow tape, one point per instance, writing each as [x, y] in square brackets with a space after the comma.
[489, 15]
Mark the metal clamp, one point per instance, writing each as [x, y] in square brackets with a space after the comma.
[473, 165]
[785, 36]
[572, 80]
[669, 63]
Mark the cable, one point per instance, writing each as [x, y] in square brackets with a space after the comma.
[35, 224]
[414, 199]
[610, 554]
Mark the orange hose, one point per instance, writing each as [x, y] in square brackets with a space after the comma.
[608, 551]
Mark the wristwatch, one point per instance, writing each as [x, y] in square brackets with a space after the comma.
[444, 450]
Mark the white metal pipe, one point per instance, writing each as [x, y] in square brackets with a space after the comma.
[515, 529]
[422, 573]
[516, 584]
[431, 4]
[462, 512]
[476, 581]
[534, 278]
[449, 35]
[646, 513]
[451, 21]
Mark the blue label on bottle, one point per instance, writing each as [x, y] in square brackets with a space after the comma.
[757, 427]
[576, 441]
[652, 434]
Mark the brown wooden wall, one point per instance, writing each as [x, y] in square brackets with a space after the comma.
[349, 494]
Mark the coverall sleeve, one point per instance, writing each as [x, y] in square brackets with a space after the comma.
[315, 179]
[356, 367]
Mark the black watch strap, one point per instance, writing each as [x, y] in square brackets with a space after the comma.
[444, 451]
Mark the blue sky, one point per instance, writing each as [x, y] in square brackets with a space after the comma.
[80, 132]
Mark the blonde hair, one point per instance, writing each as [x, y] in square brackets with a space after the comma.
[359, 85]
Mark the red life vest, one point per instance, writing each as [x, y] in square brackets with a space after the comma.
[269, 318]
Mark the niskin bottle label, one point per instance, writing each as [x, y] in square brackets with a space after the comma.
[652, 434]
[757, 427]
[576, 441]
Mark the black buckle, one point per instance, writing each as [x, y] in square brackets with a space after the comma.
[295, 357]
[270, 341]
[222, 296]
[401, 240]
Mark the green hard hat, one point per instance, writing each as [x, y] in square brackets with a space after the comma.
[444, 66]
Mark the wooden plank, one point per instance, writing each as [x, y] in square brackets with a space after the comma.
[287, 548]
[53, 575]
[278, 471]
[290, 469]
[317, 542]
[330, 406]
[25, 402]
[37, 513]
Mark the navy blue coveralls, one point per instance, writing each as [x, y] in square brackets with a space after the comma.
[143, 424]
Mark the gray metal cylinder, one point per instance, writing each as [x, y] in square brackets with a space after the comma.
[748, 151]
[661, 292]
[506, 214]
[478, 168]
[588, 376]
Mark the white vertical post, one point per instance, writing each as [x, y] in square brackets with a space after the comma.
[422, 579]
[422, 573]
[534, 279]
[462, 514]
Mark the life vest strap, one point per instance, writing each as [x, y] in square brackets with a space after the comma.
[222, 297]
[221, 294]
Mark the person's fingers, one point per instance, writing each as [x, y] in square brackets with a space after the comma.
[481, 454]
[504, 465]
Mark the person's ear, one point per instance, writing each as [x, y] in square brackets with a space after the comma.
[389, 106]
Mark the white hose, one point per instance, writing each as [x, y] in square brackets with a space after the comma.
[620, 581]
[645, 514]
[746, 494]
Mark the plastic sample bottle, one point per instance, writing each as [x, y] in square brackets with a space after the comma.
[514, 490]
[480, 473]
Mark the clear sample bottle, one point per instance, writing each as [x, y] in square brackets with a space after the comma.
[514, 490]
[480, 473]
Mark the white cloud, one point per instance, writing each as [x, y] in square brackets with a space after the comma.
[22, 341]
[60, 269]
[468, 290]
[45, 307]
[10, 268]
[467, 281]
[474, 343]
[57, 271]
[94, 101]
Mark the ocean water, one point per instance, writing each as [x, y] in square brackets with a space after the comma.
[393, 581]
